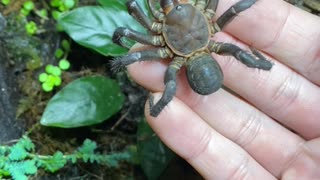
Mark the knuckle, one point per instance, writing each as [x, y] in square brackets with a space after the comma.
[241, 170]
[287, 93]
[250, 128]
[200, 146]
[298, 153]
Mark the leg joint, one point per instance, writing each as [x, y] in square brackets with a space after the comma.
[165, 53]
[156, 27]
[131, 4]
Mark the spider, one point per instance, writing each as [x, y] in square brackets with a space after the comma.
[182, 31]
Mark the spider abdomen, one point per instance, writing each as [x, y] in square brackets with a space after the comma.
[204, 74]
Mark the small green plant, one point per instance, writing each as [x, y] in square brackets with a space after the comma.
[21, 160]
[61, 6]
[49, 79]
[5, 2]
[27, 7]
[31, 28]
[52, 75]
[43, 13]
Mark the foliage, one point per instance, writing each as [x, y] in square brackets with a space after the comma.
[99, 24]
[153, 155]
[52, 75]
[96, 33]
[20, 159]
[31, 28]
[27, 7]
[85, 101]
[5, 2]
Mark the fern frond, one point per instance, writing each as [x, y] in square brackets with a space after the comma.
[88, 147]
[53, 163]
[17, 152]
[20, 170]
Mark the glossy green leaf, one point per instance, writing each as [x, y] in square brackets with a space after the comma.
[154, 156]
[85, 101]
[93, 26]
[142, 3]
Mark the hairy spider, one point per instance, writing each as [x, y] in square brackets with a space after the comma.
[182, 31]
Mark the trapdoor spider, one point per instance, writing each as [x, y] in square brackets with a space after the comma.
[182, 31]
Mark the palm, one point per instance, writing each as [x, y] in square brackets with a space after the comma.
[272, 129]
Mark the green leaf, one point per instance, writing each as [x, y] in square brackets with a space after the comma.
[28, 5]
[153, 154]
[3, 150]
[26, 143]
[113, 159]
[53, 164]
[93, 26]
[143, 4]
[17, 152]
[69, 3]
[29, 166]
[88, 147]
[18, 170]
[65, 45]
[85, 101]
[59, 53]
[72, 158]
[5, 2]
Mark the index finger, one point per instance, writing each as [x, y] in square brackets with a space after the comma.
[289, 34]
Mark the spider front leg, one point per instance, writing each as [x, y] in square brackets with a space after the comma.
[201, 4]
[227, 16]
[212, 4]
[155, 12]
[121, 32]
[170, 87]
[136, 11]
[210, 11]
[257, 60]
[120, 63]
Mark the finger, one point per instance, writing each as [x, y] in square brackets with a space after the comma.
[281, 93]
[240, 123]
[255, 132]
[295, 104]
[148, 72]
[307, 163]
[277, 147]
[246, 126]
[289, 34]
[211, 154]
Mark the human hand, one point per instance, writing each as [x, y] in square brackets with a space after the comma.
[272, 129]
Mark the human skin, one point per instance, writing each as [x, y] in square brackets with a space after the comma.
[271, 129]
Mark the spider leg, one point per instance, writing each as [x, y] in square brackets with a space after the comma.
[201, 4]
[212, 4]
[227, 16]
[210, 9]
[135, 10]
[120, 63]
[155, 12]
[254, 60]
[121, 32]
[170, 87]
